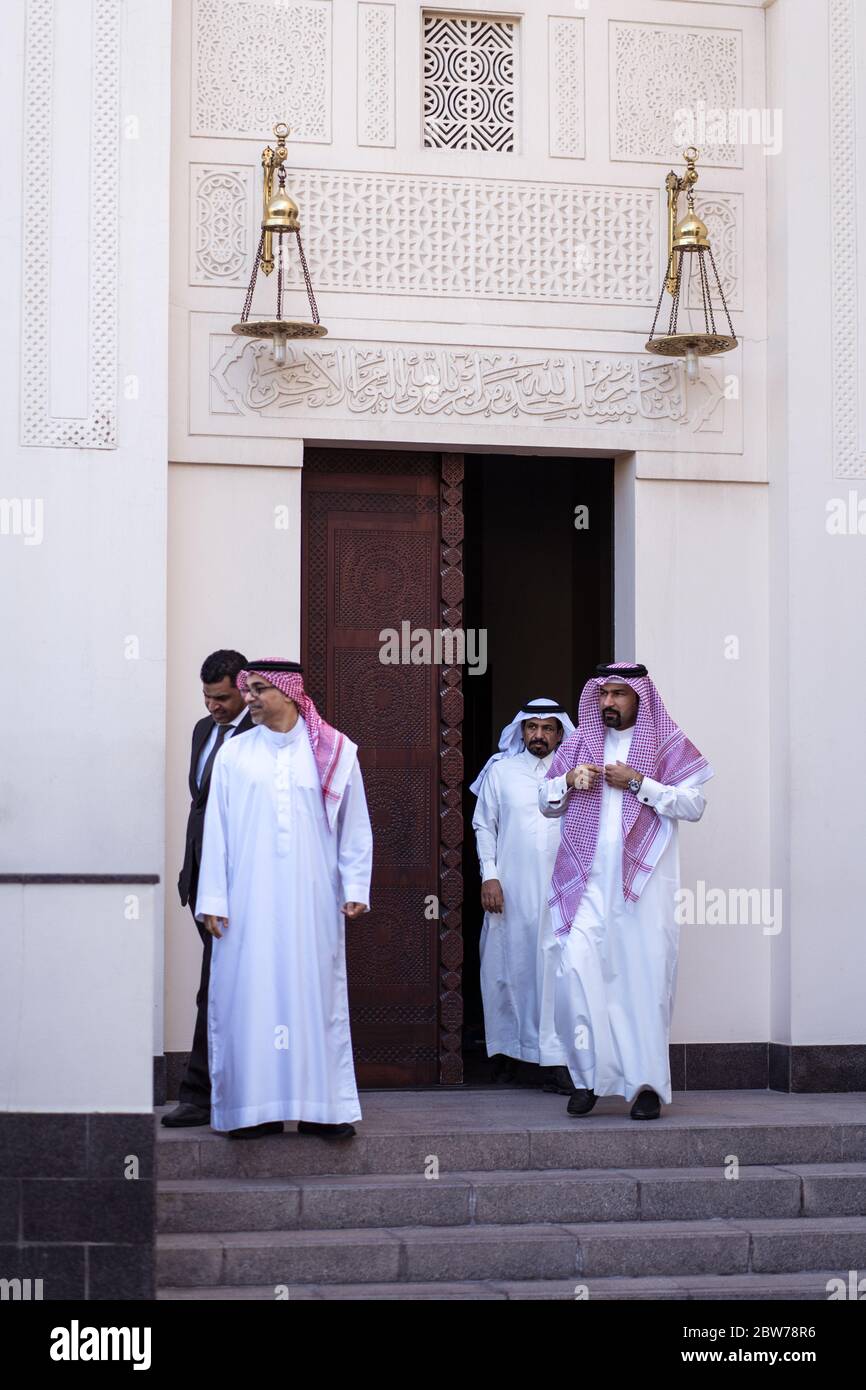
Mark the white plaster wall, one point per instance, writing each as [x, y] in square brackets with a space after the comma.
[817, 453]
[83, 430]
[76, 997]
[702, 580]
[234, 578]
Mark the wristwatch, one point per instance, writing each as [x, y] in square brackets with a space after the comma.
[634, 784]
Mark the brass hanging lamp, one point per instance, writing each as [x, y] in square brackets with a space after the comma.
[280, 218]
[689, 238]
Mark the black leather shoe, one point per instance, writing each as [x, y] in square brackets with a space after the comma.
[558, 1082]
[257, 1131]
[647, 1106]
[326, 1131]
[581, 1102]
[185, 1115]
[505, 1070]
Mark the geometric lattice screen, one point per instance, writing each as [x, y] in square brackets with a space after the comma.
[469, 82]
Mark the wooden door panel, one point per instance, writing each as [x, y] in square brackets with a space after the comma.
[371, 560]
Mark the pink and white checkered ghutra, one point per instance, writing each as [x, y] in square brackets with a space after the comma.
[332, 750]
[659, 749]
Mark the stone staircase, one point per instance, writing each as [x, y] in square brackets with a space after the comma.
[528, 1204]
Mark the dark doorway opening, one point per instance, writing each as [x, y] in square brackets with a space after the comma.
[540, 583]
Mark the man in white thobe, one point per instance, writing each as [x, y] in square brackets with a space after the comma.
[516, 850]
[621, 783]
[287, 840]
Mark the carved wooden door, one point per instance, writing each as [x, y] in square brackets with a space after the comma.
[382, 549]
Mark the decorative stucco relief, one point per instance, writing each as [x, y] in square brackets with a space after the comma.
[97, 429]
[470, 82]
[849, 444]
[658, 70]
[374, 233]
[566, 87]
[395, 381]
[376, 74]
[422, 235]
[256, 62]
[221, 201]
[723, 214]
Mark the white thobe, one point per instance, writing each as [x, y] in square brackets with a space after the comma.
[519, 952]
[617, 975]
[279, 1045]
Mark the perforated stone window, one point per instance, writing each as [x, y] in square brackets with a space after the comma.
[470, 82]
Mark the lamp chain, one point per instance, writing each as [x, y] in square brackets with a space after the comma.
[675, 298]
[307, 281]
[709, 316]
[721, 293]
[661, 296]
[256, 263]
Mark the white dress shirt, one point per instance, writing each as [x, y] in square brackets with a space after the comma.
[212, 738]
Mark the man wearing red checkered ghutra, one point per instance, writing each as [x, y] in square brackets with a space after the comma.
[622, 782]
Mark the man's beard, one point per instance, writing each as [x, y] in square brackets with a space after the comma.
[612, 717]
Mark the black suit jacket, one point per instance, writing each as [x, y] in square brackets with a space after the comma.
[187, 883]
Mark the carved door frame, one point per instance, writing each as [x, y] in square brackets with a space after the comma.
[451, 827]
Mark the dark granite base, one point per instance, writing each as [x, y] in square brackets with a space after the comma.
[698, 1067]
[678, 1066]
[726, 1067]
[77, 1204]
[175, 1067]
[828, 1068]
[780, 1067]
[160, 1093]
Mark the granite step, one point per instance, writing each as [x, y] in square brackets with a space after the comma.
[801, 1287]
[360, 1201]
[608, 1143]
[515, 1253]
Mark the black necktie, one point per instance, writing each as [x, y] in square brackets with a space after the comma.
[206, 770]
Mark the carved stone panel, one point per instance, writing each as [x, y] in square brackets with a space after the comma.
[566, 86]
[847, 245]
[376, 74]
[723, 214]
[470, 82]
[96, 426]
[658, 72]
[221, 205]
[381, 382]
[479, 238]
[255, 62]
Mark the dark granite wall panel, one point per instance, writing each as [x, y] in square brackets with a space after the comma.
[77, 1204]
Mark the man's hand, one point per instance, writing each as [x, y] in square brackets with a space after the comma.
[213, 925]
[619, 775]
[351, 910]
[583, 777]
[491, 895]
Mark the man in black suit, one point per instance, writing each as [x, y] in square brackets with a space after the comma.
[227, 717]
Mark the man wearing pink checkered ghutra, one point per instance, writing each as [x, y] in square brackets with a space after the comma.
[286, 864]
[622, 781]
